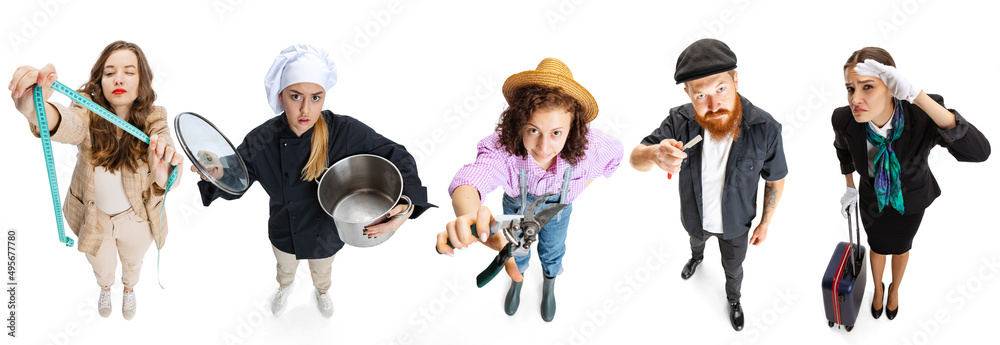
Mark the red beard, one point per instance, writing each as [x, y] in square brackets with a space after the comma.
[726, 126]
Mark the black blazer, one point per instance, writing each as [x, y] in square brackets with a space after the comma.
[920, 135]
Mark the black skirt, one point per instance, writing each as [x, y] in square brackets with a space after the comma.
[888, 231]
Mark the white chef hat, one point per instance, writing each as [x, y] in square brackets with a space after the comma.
[296, 64]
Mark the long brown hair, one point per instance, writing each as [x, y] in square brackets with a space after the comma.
[874, 53]
[317, 155]
[526, 101]
[107, 150]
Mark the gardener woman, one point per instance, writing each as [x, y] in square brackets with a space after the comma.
[543, 144]
[289, 153]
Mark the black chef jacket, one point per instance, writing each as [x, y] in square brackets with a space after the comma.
[275, 156]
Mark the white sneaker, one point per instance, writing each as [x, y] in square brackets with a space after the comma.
[280, 299]
[104, 303]
[128, 305]
[325, 306]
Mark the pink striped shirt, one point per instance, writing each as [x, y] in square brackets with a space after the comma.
[494, 167]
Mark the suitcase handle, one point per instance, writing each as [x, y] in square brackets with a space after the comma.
[854, 247]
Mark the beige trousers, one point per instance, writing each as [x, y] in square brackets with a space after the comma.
[126, 235]
[320, 269]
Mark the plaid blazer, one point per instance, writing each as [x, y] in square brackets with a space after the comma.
[80, 209]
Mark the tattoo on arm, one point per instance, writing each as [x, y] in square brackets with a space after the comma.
[770, 201]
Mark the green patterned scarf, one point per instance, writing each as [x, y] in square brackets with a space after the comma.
[886, 166]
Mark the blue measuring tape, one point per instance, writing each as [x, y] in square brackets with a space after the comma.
[43, 131]
[43, 125]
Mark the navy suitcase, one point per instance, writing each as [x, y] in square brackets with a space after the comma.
[844, 280]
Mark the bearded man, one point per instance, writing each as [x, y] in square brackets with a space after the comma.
[718, 178]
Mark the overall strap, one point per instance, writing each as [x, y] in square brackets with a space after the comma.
[567, 176]
[524, 190]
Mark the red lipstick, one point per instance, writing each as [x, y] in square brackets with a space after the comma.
[118, 91]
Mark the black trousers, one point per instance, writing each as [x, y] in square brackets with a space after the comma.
[733, 252]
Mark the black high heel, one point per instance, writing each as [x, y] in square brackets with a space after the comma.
[876, 313]
[891, 313]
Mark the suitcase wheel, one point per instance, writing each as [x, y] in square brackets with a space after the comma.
[830, 323]
[849, 328]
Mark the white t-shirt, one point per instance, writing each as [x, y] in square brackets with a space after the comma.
[109, 191]
[872, 150]
[714, 156]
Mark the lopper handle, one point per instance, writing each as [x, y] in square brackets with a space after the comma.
[494, 268]
[474, 234]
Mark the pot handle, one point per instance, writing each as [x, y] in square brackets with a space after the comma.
[409, 207]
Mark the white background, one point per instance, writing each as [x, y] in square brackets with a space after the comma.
[410, 69]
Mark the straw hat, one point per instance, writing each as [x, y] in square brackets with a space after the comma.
[553, 73]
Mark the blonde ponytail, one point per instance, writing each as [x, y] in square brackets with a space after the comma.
[317, 157]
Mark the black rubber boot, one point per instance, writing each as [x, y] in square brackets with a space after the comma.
[513, 297]
[549, 299]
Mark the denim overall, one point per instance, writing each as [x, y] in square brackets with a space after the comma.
[552, 237]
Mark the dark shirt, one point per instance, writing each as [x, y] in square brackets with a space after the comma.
[275, 156]
[756, 153]
[920, 135]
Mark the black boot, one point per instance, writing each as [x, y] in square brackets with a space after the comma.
[513, 298]
[736, 315]
[549, 299]
[689, 268]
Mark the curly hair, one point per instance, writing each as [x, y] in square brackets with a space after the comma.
[525, 102]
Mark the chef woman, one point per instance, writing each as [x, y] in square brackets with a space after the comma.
[289, 153]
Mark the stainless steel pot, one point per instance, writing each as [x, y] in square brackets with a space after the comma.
[359, 190]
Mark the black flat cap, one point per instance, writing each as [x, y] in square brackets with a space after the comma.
[703, 58]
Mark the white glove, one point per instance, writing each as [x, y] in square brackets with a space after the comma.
[900, 87]
[849, 201]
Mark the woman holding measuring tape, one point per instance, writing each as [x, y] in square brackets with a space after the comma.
[115, 197]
